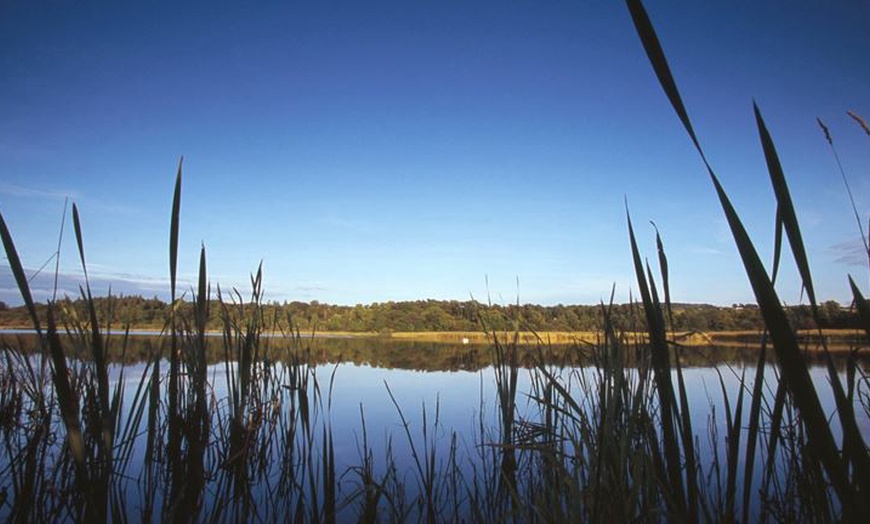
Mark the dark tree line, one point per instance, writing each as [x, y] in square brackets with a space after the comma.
[444, 315]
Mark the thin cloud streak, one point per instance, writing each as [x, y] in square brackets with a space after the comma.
[14, 190]
[850, 252]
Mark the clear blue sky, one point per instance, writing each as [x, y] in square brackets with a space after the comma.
[375, 151]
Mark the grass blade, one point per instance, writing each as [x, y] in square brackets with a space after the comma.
[97, 348]
[862, 306]
[784, 341]
[659, 349]
[656, 56]
[173, 230]
[777, 245]
[786, 215]
[754, 420]
[663, 267]
[854, 448]
[18, 273]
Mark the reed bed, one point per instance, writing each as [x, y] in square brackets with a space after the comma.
[251, 439]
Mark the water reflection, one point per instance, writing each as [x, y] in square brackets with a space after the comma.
[390, 353]
[446, 393]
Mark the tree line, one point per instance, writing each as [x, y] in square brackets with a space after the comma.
[438, 315]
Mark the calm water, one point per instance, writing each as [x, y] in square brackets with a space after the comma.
[361, 370]
[458, 383]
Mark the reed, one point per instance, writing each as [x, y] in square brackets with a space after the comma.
[794, 370]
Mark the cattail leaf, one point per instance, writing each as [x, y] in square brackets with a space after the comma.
[97, 345]
[855, 451]
[202, 293]
[173, 230]
[754, 424]
[66, 398]
[788, 354]
[656, 56]
[785, 344]
[78, 231]
[862, 306]
[663, 268]
[18, 273]
[734, 447]
[659, 349]
[785, 208]
[777, 245]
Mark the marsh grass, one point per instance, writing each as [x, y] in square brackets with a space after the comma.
[846, 468]
[251, 439]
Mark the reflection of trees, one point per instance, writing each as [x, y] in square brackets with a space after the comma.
[396, 354]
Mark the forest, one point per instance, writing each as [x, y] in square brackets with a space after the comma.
[139, 313]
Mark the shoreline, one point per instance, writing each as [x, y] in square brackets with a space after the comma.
[838, 340]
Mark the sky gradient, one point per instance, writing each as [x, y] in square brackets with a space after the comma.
[376, 151]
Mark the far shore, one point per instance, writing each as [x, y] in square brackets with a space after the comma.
[838, 340]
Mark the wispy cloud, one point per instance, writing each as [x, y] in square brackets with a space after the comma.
[352, 225]
[59, 194]
[850, 252]
[38, 193]
[705, 250]
[42, 285]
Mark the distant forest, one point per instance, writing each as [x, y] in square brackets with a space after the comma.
[436, 315]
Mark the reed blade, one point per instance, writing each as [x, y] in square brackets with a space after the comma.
[854, 450]
[663, 268]
[659, 350]
[777, 245]
[862, 306]
[173, 230]
[66, 398]
[18, 273]
[754, 424]
[785, 207]
[656, 55]
[785, 344]
[789, 356]
[97, 347]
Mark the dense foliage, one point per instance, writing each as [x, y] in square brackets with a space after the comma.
[452, 315]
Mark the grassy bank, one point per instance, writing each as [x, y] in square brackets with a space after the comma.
[839, 340]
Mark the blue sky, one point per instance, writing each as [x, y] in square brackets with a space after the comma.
[375, 151]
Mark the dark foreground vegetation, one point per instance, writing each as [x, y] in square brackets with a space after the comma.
[447, 315]
[614, 443]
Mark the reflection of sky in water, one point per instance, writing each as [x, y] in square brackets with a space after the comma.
[461, 395]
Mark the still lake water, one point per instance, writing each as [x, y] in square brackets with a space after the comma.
[458, 382]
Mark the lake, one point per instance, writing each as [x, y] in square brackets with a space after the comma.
[385, 419]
